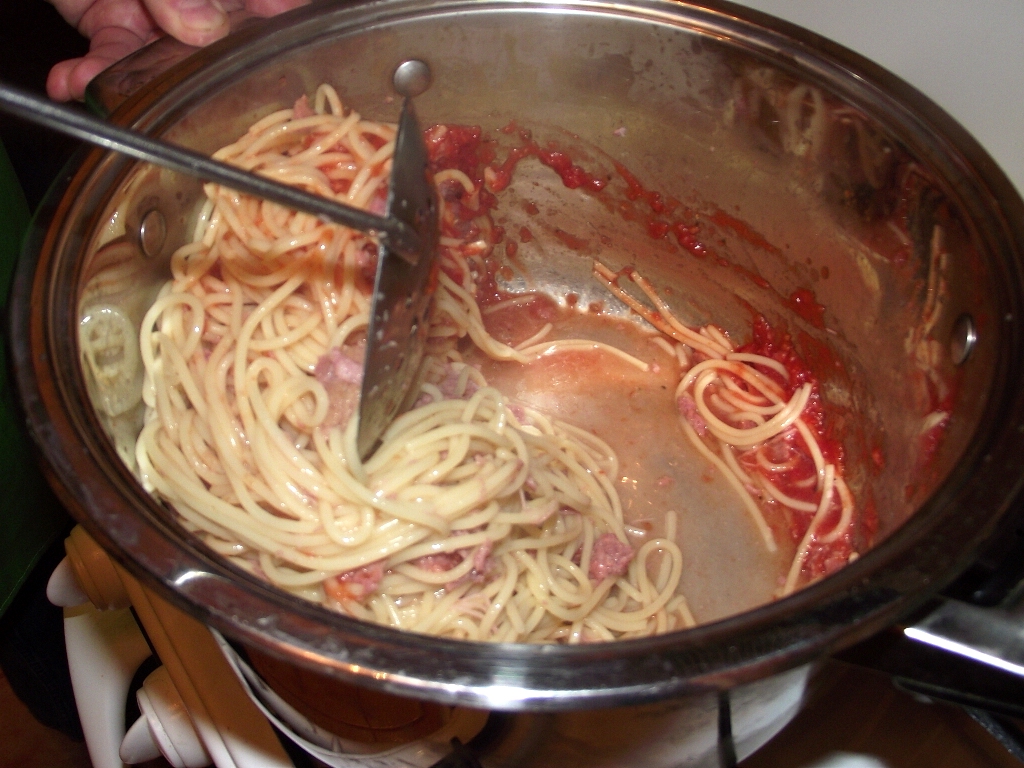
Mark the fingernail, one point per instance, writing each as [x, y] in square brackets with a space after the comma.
[202, 15]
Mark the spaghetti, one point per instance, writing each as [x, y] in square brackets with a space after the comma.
[478, 518]
[750, 414]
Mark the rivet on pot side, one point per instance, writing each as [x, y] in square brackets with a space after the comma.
[152, 232]
[412, 77]
[963, 339]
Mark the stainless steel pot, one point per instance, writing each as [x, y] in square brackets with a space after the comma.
[808, 168]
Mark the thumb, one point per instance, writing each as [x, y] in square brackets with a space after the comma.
[195, 22]
[272, 7]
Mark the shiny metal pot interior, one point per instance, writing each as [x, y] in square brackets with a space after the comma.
[797, 156]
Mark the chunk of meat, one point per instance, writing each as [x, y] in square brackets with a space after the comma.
[445, 561]
[342, 377]
[449, 385]
[355, 585]
[439, 563]
[482, 560]
[336, 365]
[366, 260]
[379, 202]
[688, 408]
[302, 108]
[778, 450]
[610, 557]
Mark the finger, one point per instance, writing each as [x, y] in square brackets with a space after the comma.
[195, 22]
[272, 7]
[124, 14]
[72, 10]
[58, 82]
[67, 80]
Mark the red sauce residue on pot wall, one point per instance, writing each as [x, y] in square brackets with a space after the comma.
[744, 231]
[868, 520]
[929, 441]
[820, 357]
[877, 459]
[752, 276]
[686, 236]
[572, 175]
[683, 226]
[636, 191]
[673, 217]
[803, 302]
[571, 241]
[657, 229]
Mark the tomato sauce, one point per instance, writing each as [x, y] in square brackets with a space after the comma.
[799, 481]
[803, 302]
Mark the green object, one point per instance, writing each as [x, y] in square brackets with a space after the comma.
[30, 516]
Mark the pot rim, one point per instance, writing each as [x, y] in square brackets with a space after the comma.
[892, 579]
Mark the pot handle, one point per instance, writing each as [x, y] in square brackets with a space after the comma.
[966, 647]
[114, 85]
[959, 653]
[990, 636]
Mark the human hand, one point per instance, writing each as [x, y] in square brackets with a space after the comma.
[116, 28]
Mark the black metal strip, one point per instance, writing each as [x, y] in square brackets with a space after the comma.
[726, 743]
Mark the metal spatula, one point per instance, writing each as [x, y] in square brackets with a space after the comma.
[397, 336]
[407, 234]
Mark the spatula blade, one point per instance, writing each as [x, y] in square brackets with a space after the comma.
[403, 290]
